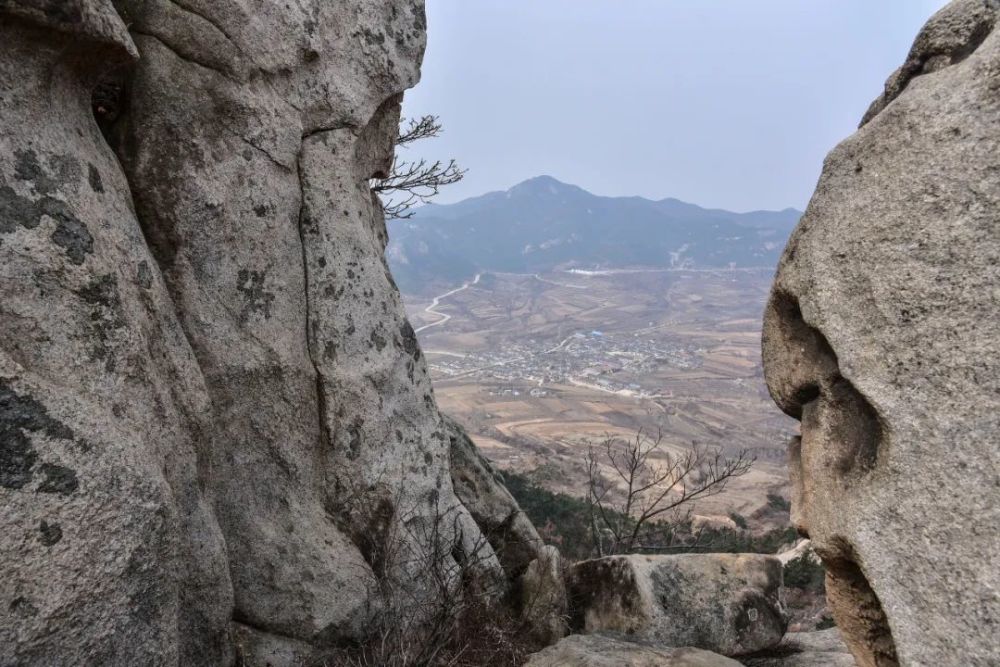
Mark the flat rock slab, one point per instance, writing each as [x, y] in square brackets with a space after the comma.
[823, 648]
[727, 603]
[609, 651]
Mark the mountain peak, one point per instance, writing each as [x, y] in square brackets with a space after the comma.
[543, 224]
[543, 185]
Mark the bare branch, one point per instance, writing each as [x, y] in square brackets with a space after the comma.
[413, 182]
[425, 127]
[651, 489]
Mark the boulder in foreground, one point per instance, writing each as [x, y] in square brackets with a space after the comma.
[608, 651]
[727, 603]
[882, 336]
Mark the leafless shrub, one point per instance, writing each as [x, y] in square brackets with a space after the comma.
[647, 486]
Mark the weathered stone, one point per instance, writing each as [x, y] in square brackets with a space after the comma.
[93, 22]
[882, 336]
[109, 551]
[264, 225]
[542, 593]
[215, 420]
[727, 603]
[822, 648]
[803, 549]
[481, 490]
[255, 648]
[613, 651]
[700, 523]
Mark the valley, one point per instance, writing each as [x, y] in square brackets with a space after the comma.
[540, 366]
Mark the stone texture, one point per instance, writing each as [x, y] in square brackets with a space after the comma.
[93, 22]
[542, 597]
[881, 335]
[218, 438]
[110, 552]
[822, 648]
[803, 549]
[611, 651]
[481, 490]
[727, 603]
[272, 245]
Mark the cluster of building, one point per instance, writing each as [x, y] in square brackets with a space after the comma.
[614, 362]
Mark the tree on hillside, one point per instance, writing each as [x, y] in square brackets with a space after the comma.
[635, 485]
[413, 182]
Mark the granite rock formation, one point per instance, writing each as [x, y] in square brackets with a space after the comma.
[542, 598]
[820, 648]
[601, 650]
[111, 551]
[882, 337]
[217, 430]
[480, 488]
[726, 603]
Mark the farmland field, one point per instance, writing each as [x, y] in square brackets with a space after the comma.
[540, 367]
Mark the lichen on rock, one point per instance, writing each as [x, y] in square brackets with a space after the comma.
[220, 440]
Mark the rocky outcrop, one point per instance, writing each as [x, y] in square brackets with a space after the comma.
[802, 549]
[701, 523]
[481, 490]
[110, 550]
[881, 336]
[218, 438]
[727, 603]
[822, 648]
[542, 599]
[611, 651]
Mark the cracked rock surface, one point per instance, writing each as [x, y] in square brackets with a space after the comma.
[726, 603]
[217, 429]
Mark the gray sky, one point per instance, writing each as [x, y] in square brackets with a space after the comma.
[723, 103]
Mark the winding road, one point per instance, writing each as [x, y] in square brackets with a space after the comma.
[437, 300]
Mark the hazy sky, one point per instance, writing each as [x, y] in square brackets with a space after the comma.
[724, 103]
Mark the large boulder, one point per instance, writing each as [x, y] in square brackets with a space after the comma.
[542, 599]
[727, 603]
[218, 437]
[250, 138]
[611, 651]
[110, 552]
[882, 335]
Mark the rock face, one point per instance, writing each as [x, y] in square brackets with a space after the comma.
[542, 597]
[110, 550]
[882, 337]
[611, 651]
[217, 430]
[822, 648]
[727, 603]
[479, 487]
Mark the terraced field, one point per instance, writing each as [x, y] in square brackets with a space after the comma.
[539, 367]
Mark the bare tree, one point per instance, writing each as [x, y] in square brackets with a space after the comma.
[413, 182]
[646, 485]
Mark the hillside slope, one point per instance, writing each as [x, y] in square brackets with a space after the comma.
[543, 224]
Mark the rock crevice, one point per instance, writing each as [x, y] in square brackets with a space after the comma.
[218, 427]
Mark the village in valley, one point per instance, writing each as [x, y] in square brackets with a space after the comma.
[538, 367]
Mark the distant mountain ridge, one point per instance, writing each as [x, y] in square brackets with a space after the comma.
[543, 224]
